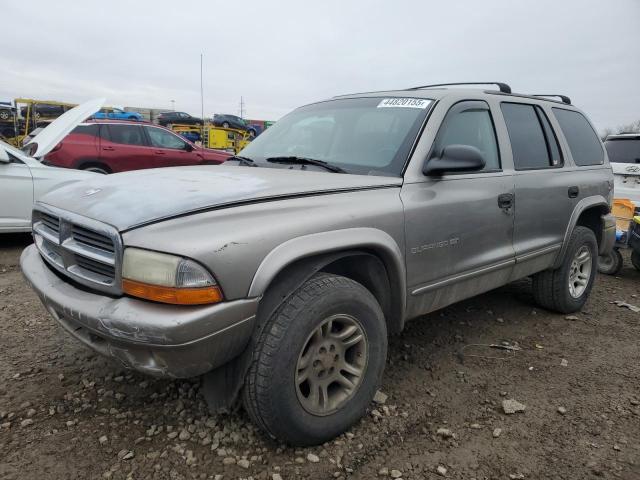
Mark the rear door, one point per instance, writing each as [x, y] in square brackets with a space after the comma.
[545, 189]
[170, 149]
[124, 147]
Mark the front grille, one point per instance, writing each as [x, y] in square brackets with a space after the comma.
[92, 239]
[83, 249]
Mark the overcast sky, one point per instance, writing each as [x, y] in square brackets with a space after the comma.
[282, 54]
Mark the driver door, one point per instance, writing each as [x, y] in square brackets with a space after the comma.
[459, 234]
[170, 149]
[16, 195]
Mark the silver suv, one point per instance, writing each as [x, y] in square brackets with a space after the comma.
[281, 274]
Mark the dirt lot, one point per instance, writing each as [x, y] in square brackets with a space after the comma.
[68, 413]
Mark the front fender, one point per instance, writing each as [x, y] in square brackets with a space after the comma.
[371, 239]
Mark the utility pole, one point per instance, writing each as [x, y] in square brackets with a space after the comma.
[173, 105]
[241, 107]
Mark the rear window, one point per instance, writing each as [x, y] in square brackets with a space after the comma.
[528, 139]
[583, 141]
[623, 150]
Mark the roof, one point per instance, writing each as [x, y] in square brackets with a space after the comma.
[439, 91]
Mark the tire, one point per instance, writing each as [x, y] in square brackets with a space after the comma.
[275, 395]
[97, 169]
[635, 259]
[554, 289]
[225, 124]
[4, 115]
[252, 133]
[611, 263]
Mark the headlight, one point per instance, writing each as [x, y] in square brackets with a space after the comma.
[167, 278]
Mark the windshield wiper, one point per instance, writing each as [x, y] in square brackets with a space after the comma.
[293, 160]
[246, 161]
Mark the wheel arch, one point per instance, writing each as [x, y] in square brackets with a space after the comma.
[85, 163]
[588, 213]
[366, 255]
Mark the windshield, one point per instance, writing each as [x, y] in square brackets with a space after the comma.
[14, 151]
[360, 135]
[623, 150]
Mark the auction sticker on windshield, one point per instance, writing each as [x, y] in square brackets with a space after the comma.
[404, 103]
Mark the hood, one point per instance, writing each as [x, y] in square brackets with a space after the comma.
[133, 199]
[53, 133]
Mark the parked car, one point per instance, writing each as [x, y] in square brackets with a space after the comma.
[281, 273]
[233, 121]
[23, 179]
[7, 112]
[181, 118]
[624, 155]
[43, 110]
[110, 146]
[113, 113]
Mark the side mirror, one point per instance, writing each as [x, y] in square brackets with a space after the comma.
[188, 147]
[4, 156]
[455, 158]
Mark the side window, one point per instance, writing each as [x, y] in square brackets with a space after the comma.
[127, 134]
[162, 139]
[529, 144]
[552, 141]
[583, 141]
[470, 123]
[88, 129]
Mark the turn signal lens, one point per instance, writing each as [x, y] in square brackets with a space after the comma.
[177, 296]
[167, 278]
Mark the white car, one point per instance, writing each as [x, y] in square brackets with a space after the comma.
[23, 179]
[624, 154]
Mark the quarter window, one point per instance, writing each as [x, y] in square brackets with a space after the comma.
[584, 144]
[161, 139]
[531, 147]
[470, 123]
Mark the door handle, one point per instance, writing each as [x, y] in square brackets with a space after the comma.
[573, 192]
[160, 152]
[505, 201]
[110, 149]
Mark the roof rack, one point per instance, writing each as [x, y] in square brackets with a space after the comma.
[564, 98]
[504, 88]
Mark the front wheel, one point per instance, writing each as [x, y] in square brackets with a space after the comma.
[610, 263]
[567, 288]
[317, 362]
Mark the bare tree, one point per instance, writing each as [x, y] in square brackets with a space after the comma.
[633, 127]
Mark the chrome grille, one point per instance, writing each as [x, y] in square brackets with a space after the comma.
[83, 249]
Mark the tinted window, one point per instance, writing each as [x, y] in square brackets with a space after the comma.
[623, 150]
[552, 140]
[583, 141]
[163, 139]
[126, 134]
[528, 142]
[87, 129]
[469, 123]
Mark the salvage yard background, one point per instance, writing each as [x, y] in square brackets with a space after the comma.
[66, 412]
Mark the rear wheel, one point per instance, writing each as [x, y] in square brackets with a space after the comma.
[317, 362]
[635, 259]
[610, 263]
[4, 115]
[567, 288]
[225, 124]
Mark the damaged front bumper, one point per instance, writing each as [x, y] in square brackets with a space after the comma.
[156, 339]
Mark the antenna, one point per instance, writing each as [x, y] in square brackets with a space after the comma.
[241, 107]
[201, 107]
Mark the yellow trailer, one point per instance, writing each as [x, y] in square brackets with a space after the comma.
[229, 139]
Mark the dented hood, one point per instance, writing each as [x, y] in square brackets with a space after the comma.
[132, 199]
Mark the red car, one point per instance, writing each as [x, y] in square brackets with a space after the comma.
[118, 146]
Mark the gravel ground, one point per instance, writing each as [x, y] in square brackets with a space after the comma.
[68, 413]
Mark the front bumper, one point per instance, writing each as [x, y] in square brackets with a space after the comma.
[156, 339]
